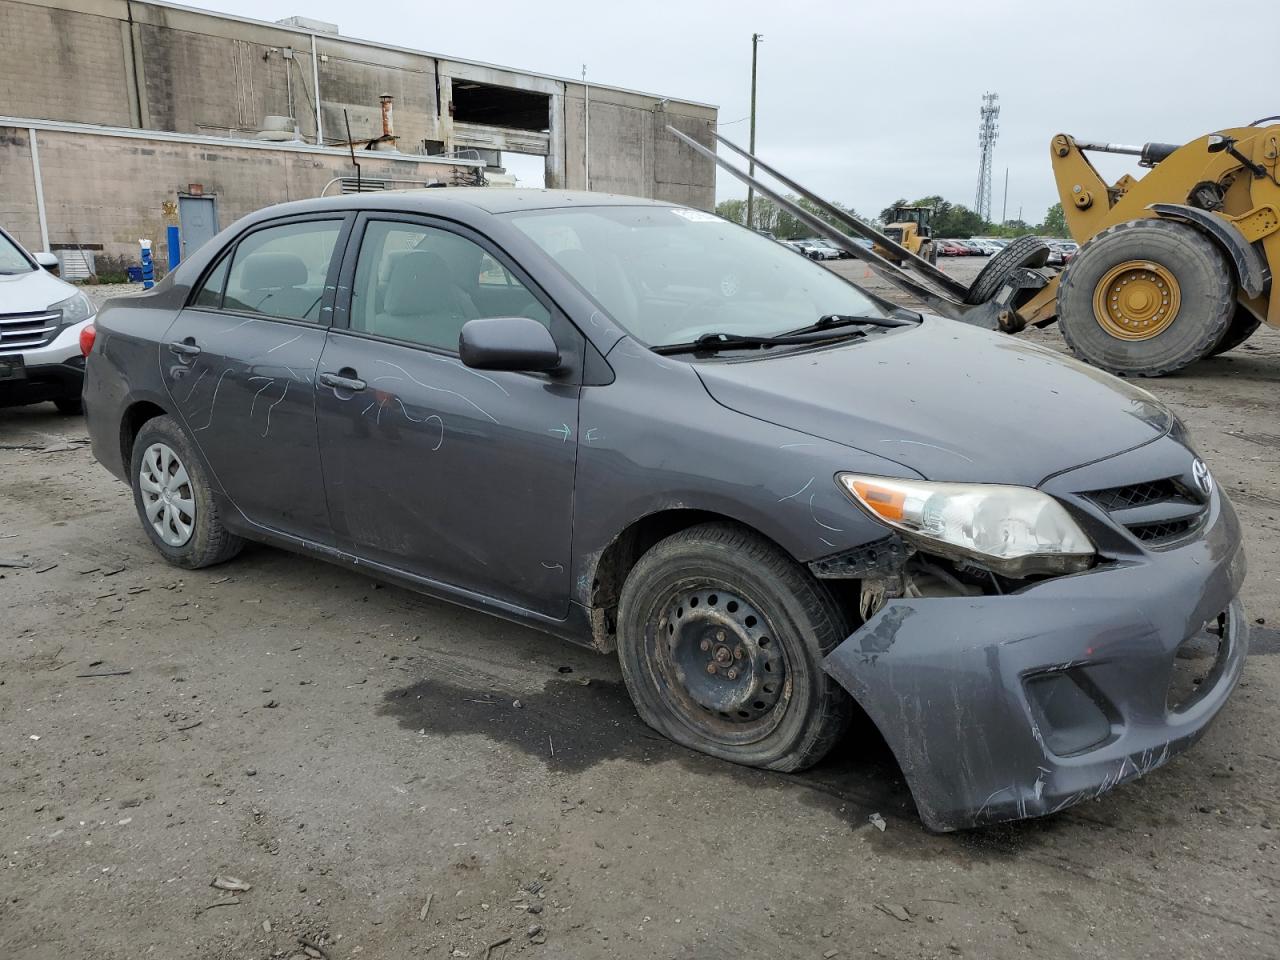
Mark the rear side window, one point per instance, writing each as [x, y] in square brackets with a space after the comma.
[280, 271]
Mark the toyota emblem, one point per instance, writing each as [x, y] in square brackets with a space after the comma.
[1203, 478]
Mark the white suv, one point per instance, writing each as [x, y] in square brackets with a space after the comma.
[41, 318]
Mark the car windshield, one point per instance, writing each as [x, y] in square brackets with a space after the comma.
[670, 274]
[12, 259]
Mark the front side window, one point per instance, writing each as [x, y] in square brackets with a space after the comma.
[670, 274]
[421, 284]
[280, 271]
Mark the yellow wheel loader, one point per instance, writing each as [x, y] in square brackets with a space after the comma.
[910, 227]
[1174, 266]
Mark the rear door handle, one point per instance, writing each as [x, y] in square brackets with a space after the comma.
[185, 348]
[339, 382]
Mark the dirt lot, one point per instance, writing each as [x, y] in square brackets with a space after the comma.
[355, 753]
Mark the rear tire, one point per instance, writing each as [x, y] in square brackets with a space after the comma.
[1242, 326]
[719, 596]
[1023, 252]
[1190, 270]
[165, 461]
[69, 406]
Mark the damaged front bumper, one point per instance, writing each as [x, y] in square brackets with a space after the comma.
[1006, 707]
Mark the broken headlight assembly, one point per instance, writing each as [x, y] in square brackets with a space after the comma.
[1013, 531]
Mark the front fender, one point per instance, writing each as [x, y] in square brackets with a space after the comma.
[1251, 268]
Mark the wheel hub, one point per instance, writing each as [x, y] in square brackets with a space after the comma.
[167, 496]
[723, 655]
[1136, 300]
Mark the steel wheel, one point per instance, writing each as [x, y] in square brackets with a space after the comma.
[721, 671]
[167, 496]
[1136, 300]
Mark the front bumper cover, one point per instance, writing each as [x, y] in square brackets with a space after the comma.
[948, 680]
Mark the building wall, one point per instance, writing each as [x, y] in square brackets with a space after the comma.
[64, 63]
[140, 64]
[82, 201]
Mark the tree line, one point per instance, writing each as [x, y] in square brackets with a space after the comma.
[953, 220]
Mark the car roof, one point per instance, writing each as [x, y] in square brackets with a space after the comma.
[458, 200]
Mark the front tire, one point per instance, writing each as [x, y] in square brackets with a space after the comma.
[721, 637]
[174, 499]
[1146, 298]
[69, 406]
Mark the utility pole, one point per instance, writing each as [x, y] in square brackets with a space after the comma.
[751, 193]
[586, 128]
[1004, 210]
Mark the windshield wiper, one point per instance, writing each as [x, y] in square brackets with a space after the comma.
[711, 342]
[829, 320]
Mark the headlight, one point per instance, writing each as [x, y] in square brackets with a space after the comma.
[74, 309]
[1015, 531]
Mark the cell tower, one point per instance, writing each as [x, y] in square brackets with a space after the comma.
[988, 130]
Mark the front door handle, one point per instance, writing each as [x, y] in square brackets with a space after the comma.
[185, 348]
[339, 382]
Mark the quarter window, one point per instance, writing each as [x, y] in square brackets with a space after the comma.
[422, 284]
[210, 295]
[280, 271]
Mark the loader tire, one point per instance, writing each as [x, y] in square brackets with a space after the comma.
[1146, 298]
[1240, 329]
[1023, 252]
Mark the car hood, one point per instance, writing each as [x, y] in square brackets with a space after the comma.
[32, 292]
[949, 401]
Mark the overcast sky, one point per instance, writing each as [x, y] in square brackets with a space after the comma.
[867, 102]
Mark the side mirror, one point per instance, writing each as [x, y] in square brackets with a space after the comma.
[508, 343]
[49, 261]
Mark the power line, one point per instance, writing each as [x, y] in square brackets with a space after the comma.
[988, 130]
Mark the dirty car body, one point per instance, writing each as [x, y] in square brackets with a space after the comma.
[721, 386]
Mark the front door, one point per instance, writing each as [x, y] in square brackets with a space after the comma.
[460, 476]
[198, 221]
[240, 361]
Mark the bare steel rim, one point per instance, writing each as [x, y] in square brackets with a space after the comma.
[718, 664]
[167, 497]
[1137, 300]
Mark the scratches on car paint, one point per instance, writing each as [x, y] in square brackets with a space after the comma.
[192, 391]
[243, 323]
[932, 446]
[285, 344]
[465, 369]
[284, 393]
[453, 393]
[270, 381]
[427, 419]
[808, 483]
[814, 515]
[214, 401]
[789, 446]
[592, 435]
[552, 566]
[564, 432]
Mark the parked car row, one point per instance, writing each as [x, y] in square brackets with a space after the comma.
[816, 248]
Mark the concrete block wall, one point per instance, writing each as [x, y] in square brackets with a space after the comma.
[83, 204]
[141, 64]
[64, 63]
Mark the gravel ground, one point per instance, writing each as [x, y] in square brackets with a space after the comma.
[354, 753]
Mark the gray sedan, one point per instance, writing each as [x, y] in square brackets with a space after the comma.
[645, 429]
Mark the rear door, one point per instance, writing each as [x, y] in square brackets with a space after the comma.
[460, 476]
[239, 363]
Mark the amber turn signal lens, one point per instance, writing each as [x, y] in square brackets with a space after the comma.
[881, 500]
